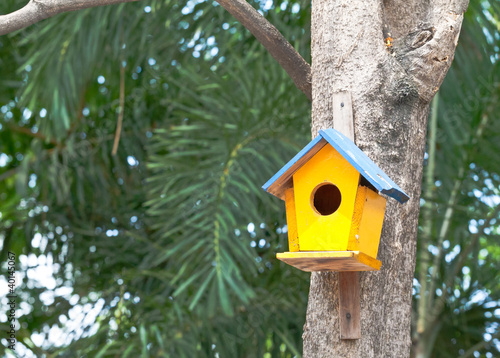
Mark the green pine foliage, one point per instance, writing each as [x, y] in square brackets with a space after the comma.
[463, 267]
[153, 241]
[167, 249]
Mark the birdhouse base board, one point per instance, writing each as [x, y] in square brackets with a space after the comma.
[330, 261]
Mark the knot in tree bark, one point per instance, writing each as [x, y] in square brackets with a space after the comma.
[419, 38]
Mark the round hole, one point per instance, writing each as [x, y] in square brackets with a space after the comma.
[326, 199]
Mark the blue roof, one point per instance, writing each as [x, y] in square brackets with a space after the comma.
[359, 160]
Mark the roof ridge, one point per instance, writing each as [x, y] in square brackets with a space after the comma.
[352, 153]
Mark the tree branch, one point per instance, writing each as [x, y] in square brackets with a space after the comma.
[440, 303]
[268, 35]
[427, 213]
[480, 345]
[121, 109]
[277, 45]
[472, 242]
[450, 209]
[28, 132]
[435, 309]
[9, 173]
[38, 10]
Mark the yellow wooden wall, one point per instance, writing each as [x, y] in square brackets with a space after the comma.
[315, 231]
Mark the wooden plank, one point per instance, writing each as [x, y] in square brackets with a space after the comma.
[349, 303]
[353, 243]
[349, 308]
[291, 219]
[342, 114]
[330, 261]
[370, 227]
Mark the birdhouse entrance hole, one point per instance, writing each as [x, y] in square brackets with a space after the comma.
[326, 199]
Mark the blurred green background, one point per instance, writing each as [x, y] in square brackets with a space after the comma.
[167, 248]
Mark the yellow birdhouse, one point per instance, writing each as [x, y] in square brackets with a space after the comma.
[333, 204]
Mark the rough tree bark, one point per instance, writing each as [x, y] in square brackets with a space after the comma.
[392, 83]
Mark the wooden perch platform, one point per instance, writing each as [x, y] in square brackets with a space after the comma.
[330, 261]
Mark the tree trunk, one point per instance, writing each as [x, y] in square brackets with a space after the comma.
[392, 83]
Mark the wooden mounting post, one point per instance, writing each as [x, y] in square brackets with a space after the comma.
[349, 304]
